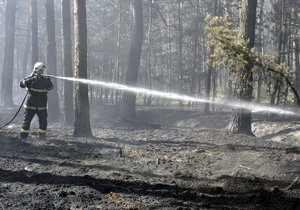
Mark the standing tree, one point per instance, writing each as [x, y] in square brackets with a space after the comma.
[180, 49]
[67, 61]
[8, 61]
[281, 30]
[148, 74]
[51, 58]
[118, 59]
[129, 99]
[26, 52]
[297, 52]
[241, 119]
[196, 48]
[210, 70]
[34, 32]
[179, 53]
[82, 111]
[260, 38]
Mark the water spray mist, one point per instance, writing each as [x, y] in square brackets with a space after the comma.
[168, 95]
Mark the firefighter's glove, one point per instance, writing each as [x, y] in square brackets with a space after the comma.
[28, 82]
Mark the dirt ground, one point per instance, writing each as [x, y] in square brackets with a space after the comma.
[178, 160]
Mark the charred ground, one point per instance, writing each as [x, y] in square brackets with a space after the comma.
[177, 160]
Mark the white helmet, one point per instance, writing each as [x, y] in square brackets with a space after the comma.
[39, 68]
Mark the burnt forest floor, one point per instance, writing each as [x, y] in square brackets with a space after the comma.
[167, 159]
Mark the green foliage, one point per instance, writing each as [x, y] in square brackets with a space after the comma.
[233, 52]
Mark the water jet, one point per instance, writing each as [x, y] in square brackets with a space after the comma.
[250, 106]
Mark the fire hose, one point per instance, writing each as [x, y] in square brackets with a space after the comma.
[15, 113]
[20, 107]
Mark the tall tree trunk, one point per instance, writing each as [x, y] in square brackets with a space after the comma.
[195, 50]
[180, 37]
[26, 52]
[170, 49]
[149, 52]
[296, 56]
[67, 61]
[82, 126]
[34, 32]
[129, 99]
[118, 73]
[241, 119]
[261, 47]
[51, 59]
[210, 66]
[8, 61]
[277, 83]
[289, 51]
[116, 67]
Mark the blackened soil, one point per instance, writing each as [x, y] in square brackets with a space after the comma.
[168, 159]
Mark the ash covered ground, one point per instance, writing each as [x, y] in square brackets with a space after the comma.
[177, 160]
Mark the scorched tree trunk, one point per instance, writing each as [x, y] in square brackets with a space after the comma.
[241, 118]
[129, 99]
[82, 126]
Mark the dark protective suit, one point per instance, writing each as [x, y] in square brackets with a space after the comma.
[36, 103]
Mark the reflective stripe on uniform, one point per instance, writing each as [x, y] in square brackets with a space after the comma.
[34, 108]
[24, 130]
[39, 90]
[42, 131]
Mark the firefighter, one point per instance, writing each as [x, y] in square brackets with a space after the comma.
[37, 86]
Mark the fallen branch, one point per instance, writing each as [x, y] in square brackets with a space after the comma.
[293, 184]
